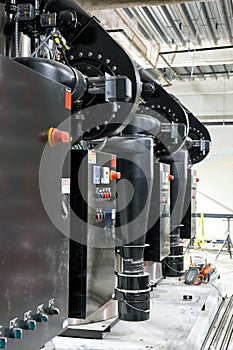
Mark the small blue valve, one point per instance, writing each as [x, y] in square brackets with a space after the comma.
[31, 325]
[3, 343]
[17, 333]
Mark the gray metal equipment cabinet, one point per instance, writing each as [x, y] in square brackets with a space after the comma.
[34, 253]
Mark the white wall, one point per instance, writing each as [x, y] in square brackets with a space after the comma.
[215, 189]
[209, 98]
[213, 99]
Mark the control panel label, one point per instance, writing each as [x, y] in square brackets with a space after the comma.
[113, 214]
[105, 175]
[91, 157]
[65, 185]
[96, 175]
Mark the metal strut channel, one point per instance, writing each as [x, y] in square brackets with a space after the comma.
[220, 332]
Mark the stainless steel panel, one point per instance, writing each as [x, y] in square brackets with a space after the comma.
[33, 252]
[2, 24]
[155, 271]
[158, 236]
[193, 203]
[100, 277]
[188, 228]
[164, 211]
[105, 312]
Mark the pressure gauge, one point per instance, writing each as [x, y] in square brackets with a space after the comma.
[191, 275]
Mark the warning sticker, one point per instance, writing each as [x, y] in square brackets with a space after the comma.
[68, 99]
[91, 157]
[65, 186]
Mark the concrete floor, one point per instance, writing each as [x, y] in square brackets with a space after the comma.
[174, 323]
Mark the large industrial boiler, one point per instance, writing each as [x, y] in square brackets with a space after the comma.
[96, 160]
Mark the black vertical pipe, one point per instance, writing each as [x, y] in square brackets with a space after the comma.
[135, 162]
[173, 265]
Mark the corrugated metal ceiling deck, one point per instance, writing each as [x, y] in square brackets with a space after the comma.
[188, 26]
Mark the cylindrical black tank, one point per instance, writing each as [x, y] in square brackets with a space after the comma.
[135, 162]
[173, 265]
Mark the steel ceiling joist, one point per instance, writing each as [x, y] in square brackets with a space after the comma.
[171, 21]
[190, 22]
[155, 24]
[143, 20]
[226, 20]
[205, 13]
[213, 71]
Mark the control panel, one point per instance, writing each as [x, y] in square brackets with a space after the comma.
[92, 246]
[102, 188]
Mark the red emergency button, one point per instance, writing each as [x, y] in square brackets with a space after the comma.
[97, 216]
[56, 136]
[114, 175]
[170, 177]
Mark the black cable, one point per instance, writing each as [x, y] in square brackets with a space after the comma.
[172, 267]
[218, 290]
[133, 307]
[68, 64]
[45, 4]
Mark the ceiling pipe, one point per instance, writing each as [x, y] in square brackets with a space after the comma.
[223, 123]
[197, 50]
[207, 73]
[93, 5]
